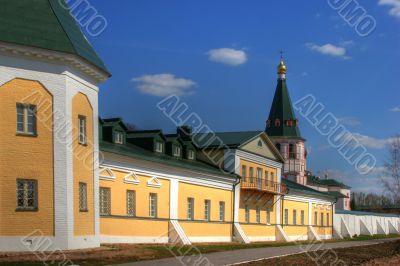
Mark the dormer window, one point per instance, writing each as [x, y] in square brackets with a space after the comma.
[277, 122]
[119, 138]
[191, 154]
[177, 151]
[159, 147]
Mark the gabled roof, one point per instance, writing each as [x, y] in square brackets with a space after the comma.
[293, 186]
[134, 151]
[232, 140]
[48, 25]
[146, 133]
[325, 182]
[282, 109]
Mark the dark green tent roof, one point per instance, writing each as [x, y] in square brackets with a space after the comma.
[45, 24]
[282, 109]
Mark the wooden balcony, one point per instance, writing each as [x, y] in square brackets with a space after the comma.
[261, 184]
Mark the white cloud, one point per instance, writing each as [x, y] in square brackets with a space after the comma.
[370, 142]
[227, 56]
[394, 6]
[329, 49]
[349, 121]
[164, 85]
[395, 109]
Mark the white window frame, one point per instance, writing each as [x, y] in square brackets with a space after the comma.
[28, 110]
[286, 216]
[159, 147]
[190, 209]
[82, 130]
[207, 210]
[177, 151]
[119, 137]
[191, 154]
[153, 205]
[302, 217]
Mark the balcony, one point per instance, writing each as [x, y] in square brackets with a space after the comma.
[261, 184]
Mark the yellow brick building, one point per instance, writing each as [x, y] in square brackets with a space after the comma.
[71, 180]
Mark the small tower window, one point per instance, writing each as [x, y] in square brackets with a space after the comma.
[269, 123]
[277, 122]
[292, 151]
[296, 123]
[260, 144]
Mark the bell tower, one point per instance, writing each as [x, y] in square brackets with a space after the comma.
[283, 129]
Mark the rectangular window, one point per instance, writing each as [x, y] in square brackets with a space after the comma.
[294, 217]
[177, 151]
[247, 214]
[191, 154]
[119, 138]
[27, 194]
[315, 218]
[302, 217]
[244, 172]
[251, 174]
[272, 177]
[266, 177]
[105, 201]
[159, 147]
[259, 177]
[327, 219]
[26, 119]
[258, 219]
[286, 216]
[207, 209]
[83, 197]
[153, 205]
[190, 209]
[322, 219]
[222, 211]
[130, 202]
[268, 215]
[82, 129]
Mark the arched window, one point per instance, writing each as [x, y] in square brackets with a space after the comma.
[259, 144]
[277, 122]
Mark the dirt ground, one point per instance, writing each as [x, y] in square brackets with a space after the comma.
[383, 254]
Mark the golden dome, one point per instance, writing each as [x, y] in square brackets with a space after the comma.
[281, 67]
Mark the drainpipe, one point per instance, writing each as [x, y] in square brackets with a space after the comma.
[282, 209]
[237, 182]
[333, 203]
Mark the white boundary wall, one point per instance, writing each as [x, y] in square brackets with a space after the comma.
[350, 223]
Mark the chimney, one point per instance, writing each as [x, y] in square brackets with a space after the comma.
[185, 132]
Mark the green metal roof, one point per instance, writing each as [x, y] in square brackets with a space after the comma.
[282, 109]
[231, 139]
[336, 194]
[325, 182]
[140, 153]
[293, 186]
[45, 24]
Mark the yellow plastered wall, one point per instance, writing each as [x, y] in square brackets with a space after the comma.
[200, 194]
[298, 229]
[324, 229]
[139, 225]
[27, 158]
[83, 170]
[253, 200]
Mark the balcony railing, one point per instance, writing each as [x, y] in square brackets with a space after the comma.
[261, 184]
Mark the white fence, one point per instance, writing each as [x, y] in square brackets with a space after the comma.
[350, 223]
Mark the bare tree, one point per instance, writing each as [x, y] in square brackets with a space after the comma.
[391, 178]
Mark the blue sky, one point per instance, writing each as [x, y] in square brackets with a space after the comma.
[221, 57]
